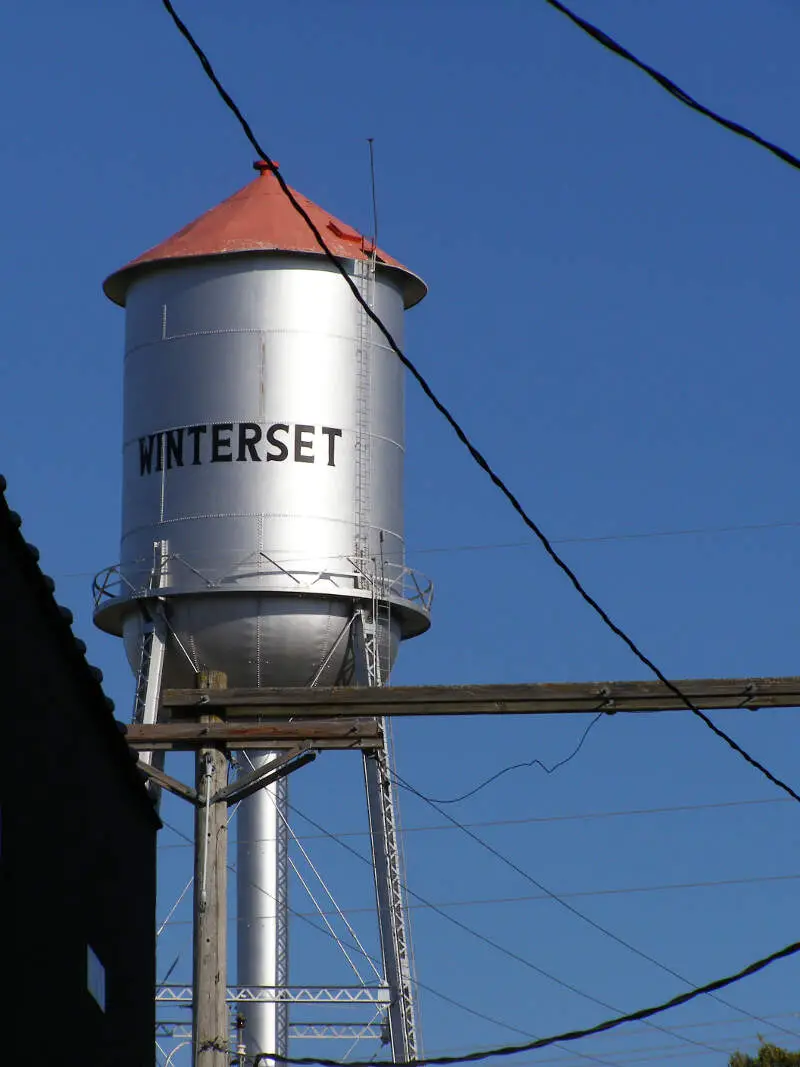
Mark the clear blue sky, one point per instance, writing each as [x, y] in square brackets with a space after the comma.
[612, 315]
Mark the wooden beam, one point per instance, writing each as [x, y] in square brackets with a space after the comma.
[319, 734]
[265, 775]
[531, 699]
[166, 781]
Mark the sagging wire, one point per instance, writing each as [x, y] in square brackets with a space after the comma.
[459, 431]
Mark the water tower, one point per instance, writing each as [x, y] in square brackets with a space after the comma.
[262, 523]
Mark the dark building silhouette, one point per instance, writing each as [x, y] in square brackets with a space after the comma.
[77, 842]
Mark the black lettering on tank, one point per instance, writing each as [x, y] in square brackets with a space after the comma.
[166, 448]
[218, 442]
[249, 436]
[146, 454]
[331, 433]
[283, 451]
[194, 432]
[301, 445]
[174, 448]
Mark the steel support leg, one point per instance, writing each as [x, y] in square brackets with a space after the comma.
[395, 948]
[395, 944]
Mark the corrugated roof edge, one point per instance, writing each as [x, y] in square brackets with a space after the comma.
[90, 677]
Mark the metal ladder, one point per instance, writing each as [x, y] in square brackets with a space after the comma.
[375, 618]
[371, 643]
[365, 280]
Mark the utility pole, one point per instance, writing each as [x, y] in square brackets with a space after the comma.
[295, 723]
[210, 1009]
[211, 797]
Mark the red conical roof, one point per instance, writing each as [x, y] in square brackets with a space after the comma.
[260, 218]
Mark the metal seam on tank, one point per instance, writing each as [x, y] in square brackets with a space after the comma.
[387, 533]
[162, 493]
[217, 420]
[193, 646]
[320, 568]
[387, 440]
[234, 515]
[259, 617]
[259, 614]
[309, 556]
[384, 349]
[196, 333]
[262, 378]
[245, 331]
[295, 565]
[326, 638]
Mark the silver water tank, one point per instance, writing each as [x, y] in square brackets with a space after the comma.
[262, 445]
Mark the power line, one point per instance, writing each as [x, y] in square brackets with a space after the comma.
[476, 455]
[531, 819]
[359, 949]
[560, 900]
[674, 90]
[631, 1055]
[519, 766]
[635, 535]
[529, 898]
[438, 909]
[509, 953]
[494, 546]
[623, 891]
[634, 1031]
[544, 1042]
[496, 944]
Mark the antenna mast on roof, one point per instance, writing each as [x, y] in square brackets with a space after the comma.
[371, 142]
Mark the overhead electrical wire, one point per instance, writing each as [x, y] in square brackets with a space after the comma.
[439, 909]
[520, 766]
[640, 1031]
[630, 1055]
[676, 809]
[511, 954]
[490, 942]
[674, 90]
[546, 544]
[476, 455]
[359, 949]
[556, 898]
[495, 546]
[528, 898]
[463, 926]
[478, 1055]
